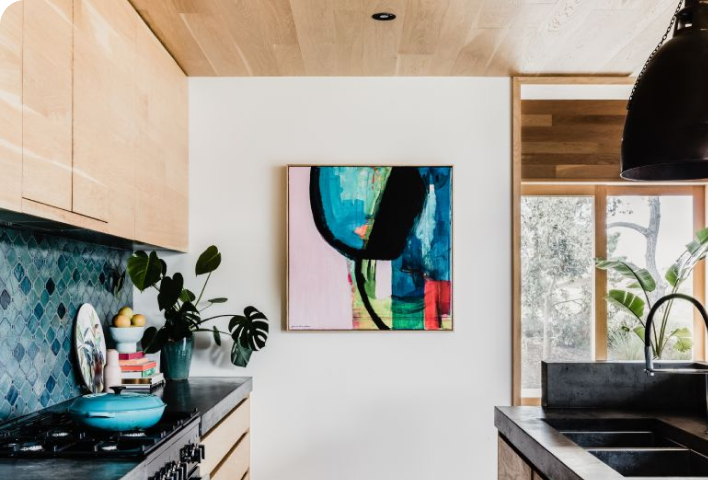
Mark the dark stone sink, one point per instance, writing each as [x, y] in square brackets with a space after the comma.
[619, 440]
[675, 462]
[634, 447]
[625, 433]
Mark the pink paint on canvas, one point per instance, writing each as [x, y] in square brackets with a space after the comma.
[319, 293]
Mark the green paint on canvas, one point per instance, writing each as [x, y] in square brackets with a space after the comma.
[366, 186]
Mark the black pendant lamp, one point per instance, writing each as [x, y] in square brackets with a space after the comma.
[666, 130]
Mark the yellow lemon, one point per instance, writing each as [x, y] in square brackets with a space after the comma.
[121, 321]
[126, 312]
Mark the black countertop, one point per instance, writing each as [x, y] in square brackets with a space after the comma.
[558, 458]
[212, 397]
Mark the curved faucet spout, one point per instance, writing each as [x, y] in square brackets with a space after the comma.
[648, 354]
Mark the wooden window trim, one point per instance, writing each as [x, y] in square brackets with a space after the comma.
[600, 193]
[600, 333]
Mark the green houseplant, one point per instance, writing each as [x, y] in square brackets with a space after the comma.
[183, 311]
[635, 298]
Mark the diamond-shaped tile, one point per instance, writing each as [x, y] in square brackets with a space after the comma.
[39, 310]
[33, 350]
[56, 346]
[19, 352]
[5, 299]
[50, 287]
[12, 395]
[25, 285]
[19, 272]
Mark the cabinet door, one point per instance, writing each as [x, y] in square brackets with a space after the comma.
[105, 129]
[510, 465]
[11, 107]
[47, 103]
[162, 180]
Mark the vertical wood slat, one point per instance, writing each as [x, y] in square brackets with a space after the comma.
[516, 240]
[600, 336]
[699, 276]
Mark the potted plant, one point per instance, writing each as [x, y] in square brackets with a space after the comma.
[641, 291]
[183, 314]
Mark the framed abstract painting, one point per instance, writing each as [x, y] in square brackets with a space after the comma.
[369, 247]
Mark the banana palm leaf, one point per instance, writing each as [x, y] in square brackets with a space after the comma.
[627, 301]
[629, 270]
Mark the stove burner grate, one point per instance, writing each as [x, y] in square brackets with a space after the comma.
[55, 434]
[31, 447]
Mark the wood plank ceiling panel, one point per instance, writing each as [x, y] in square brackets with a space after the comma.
[428, 37]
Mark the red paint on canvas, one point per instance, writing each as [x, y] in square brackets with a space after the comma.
[437, 303]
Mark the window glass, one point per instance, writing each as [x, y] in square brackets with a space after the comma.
[557, 278]
[650, 232]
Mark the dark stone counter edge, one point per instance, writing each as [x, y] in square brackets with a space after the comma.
[212, 417]
[537, 455]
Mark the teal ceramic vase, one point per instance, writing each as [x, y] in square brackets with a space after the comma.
[176, 358]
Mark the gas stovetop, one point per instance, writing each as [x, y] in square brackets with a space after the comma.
[55, 434]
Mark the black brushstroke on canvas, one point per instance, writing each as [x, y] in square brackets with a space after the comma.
[401, 204]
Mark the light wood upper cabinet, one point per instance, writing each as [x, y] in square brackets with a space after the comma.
[11, 107]
[105, 113]
[161, 216]
[47, 108]
[93, 121]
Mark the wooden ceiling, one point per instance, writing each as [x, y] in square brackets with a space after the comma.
[429, 37]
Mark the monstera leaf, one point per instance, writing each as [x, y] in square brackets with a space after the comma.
[145, 270]
[208, 261]
[250, 333]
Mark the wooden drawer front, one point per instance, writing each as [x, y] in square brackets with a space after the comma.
[220, 440]
[236, 464]
[511, 466]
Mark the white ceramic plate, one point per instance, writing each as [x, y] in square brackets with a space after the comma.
[90, 347]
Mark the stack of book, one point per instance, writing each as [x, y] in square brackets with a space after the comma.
[139, 372]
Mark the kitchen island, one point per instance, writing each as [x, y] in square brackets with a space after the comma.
[607, 421]
[537, 443]
[218, 401]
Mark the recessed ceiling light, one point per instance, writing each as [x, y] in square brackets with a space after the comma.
[383, 16]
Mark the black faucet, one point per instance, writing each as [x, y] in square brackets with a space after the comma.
[648, 352]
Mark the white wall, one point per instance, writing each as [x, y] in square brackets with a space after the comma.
[358, 405]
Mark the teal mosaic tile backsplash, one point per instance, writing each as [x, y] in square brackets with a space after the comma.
[44, 279]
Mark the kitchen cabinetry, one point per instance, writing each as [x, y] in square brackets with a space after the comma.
[11, 107]
[228, 446]
[161, 215]
[105, 113]
[511, 466]
[93, 121]
[46, 102]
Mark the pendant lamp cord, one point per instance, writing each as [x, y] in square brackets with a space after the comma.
[653, 53]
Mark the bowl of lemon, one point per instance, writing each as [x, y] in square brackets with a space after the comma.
[127, 329]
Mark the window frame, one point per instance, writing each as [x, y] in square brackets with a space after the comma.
[600, 193]
[600, 209]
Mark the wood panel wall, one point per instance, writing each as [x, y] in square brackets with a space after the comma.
[571, 140]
